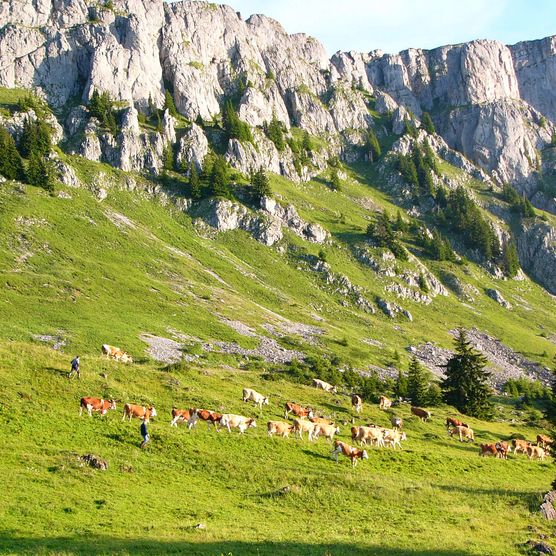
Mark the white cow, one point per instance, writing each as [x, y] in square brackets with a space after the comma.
[251, 395]
[231, 421]
[324, 385]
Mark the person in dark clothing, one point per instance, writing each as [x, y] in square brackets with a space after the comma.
[145, 433]
[75, 368]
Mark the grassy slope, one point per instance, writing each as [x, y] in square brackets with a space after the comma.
[436, 496]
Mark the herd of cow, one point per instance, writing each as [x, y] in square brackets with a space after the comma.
[305, 421]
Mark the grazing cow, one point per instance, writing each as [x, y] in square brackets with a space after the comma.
[279, 428]
[211, 417]
[328, 431]
[297, 410]
[421, 413]
[139, 411]
[453, 422]
[352, 453]
[324, 385]
[231, 421]
[96, 404]
[180, 415]
[488, 450]
[520, 445]
[252, 396]
[116, 353]
[321, 421]
[385, 403]
[463, 432]
[356, 403]
[109, 351]
[123, 357]
[371, 435]
[536, 452]
[393, 438]
[354, 433]
[397, 422]
[503, 449]
[544, 441]
[300, 426]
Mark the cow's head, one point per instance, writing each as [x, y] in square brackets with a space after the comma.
[252, 423]
[153, 411]
[337, 430]
[265, 401]
[310, 414]
[364, 455]
[112, 404]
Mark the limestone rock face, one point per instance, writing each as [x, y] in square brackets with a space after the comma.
[193, 146]
[536, 245]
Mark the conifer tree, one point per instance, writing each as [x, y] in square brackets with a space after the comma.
[40, 172]
[427, 123]
[401, 387]
[194, 182]
[218, 182]
[417, 383]
[275, 133]
[465, 385]
[169, 104]
[11, 165]
[373, 145]
[510, 259]
[260, 184]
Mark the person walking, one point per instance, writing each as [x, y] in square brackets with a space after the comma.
[145, 433]
[75, 368]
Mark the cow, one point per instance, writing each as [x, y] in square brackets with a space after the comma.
[116, 353]
[300, 426]
[139, 411]
[96, 404]
[463, 432]
[321, 421]
[544, 441]
[356, 403]
[328, 431]
[324, 385]
[453, 422]
[385, 403]
[393, 438]
[353, 454]
[421, 413]
[354, 433]
[180, 415]
[297, 410]
[211, 417]
[488, 450]
[231, 421]
[503, 449]
[397, 422]
[370, 434]
[251, 395]
[279, 428]
[535, 452]
[520, 445]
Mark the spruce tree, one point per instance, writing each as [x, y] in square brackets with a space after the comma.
[168, 158]
[35, 138]
[11, 165]
[335, 179]
[373, 145]
[465, 385]
[275, 132]
[40, 172]
[417, 383]
[510, 259]
[169, 104]
[260, 184]
[401, 387]
[194, 182]
[218, 182]
[427, 123]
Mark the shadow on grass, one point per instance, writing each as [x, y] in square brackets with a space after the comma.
[61, 372]
[316, 455]
[92, 546]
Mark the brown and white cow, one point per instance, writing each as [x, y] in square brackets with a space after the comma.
[231, 421]
[301, 425]
[371, 435]
[140, 411]
[279, 428]
[421, 413]
[317, 383]
[116, 353]
[463, 432]
[453, 422]
[356, 403]
[251, 395]
[297, 410]
[488, 450]
[385, 403]
[544, 441]
[503, 449]
[180, 415]
[352, 453]
[96, 404]
[210, 417]
[397, 422]
[520, 445]
[321, 421]
[393, 438]
[536, 452]
[328, 431]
